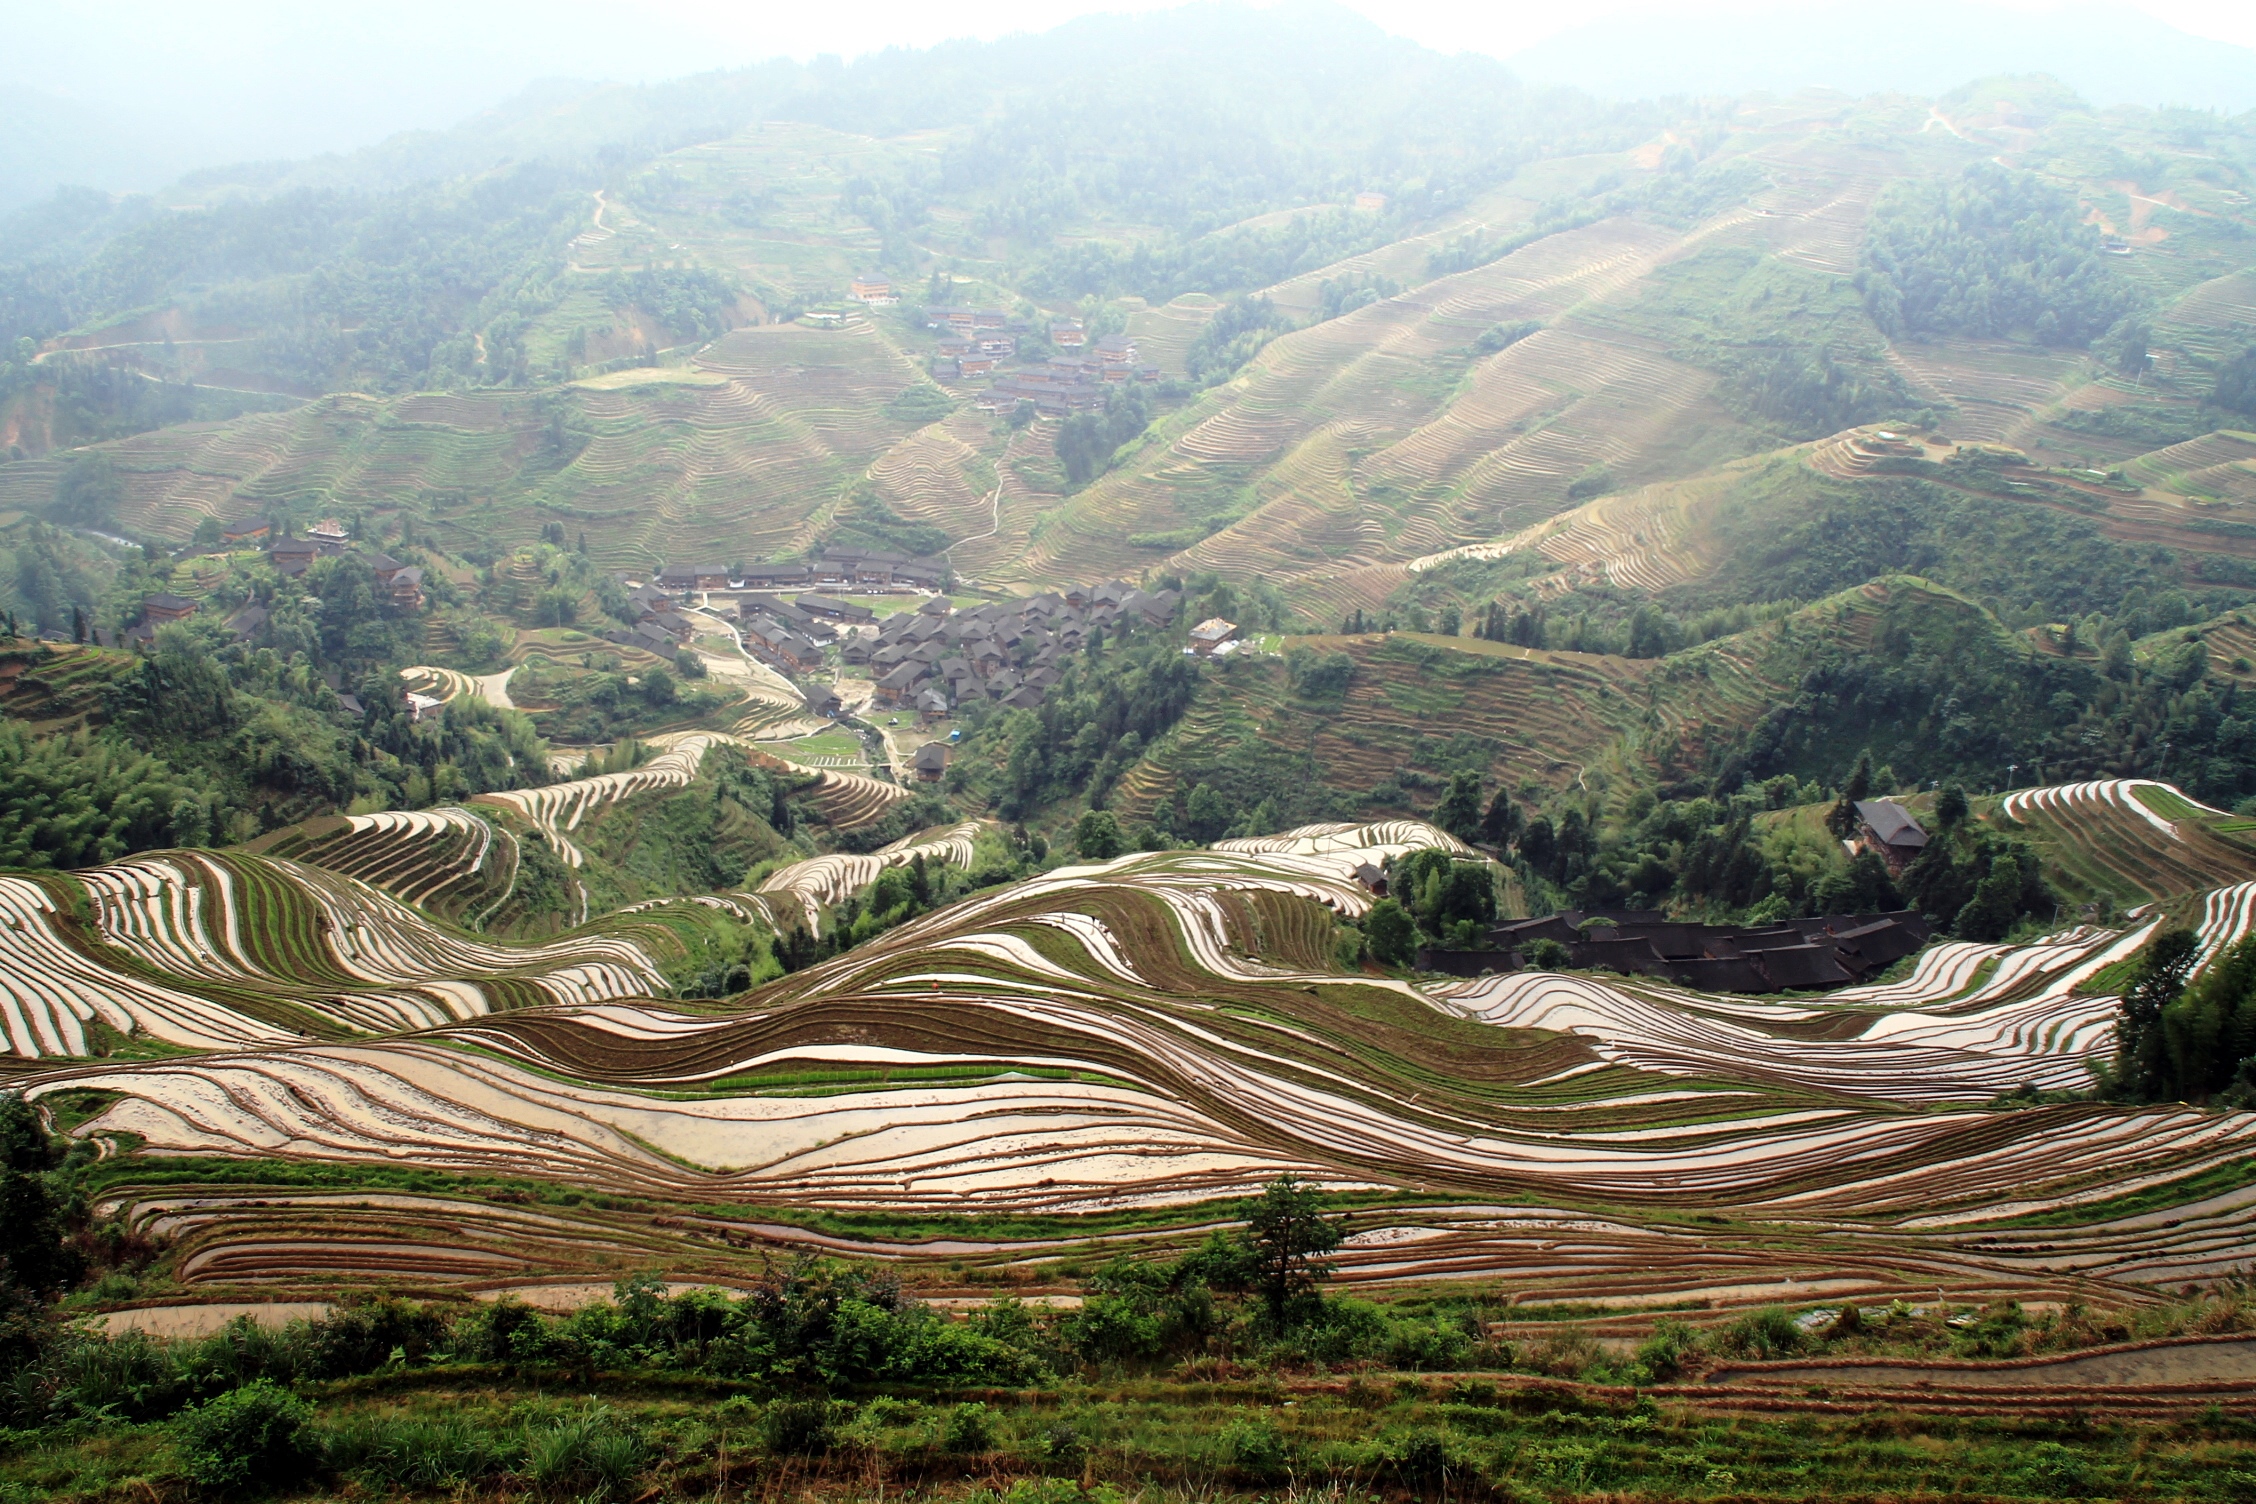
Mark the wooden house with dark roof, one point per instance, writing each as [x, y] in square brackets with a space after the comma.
[1886, 827]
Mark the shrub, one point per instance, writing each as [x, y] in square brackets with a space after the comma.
[1664, 1353]
[1420, 1458]
[1428, 1347]
[1255, 1450]
[1391, 933]
[1768, 1333]
[1098, 838]
[1062, 1449]
[2055, 1470]
[127, 1376]
[1546, 954]
[248, 1440]
[796, 1428]
[971, 1428]
[363, 1338]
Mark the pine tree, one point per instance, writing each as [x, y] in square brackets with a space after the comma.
[2142, 1050]
[1501, 820]
[1459, 811]
[1841, 819]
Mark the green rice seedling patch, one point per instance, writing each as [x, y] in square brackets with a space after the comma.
[2167, 803]
[2215, 1181]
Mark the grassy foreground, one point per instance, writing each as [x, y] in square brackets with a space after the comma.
[652, 1437]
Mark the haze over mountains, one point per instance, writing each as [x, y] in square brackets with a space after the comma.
[129, 103]
[2108, 54]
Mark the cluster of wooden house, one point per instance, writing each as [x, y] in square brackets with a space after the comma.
[933, 660]
[863, 570]
[658, 627]
[329, 538]
[976, 342]
[1065, 383]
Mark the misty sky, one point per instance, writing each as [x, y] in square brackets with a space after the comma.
[228, 79]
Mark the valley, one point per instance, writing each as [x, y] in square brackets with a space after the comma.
[1197, 756]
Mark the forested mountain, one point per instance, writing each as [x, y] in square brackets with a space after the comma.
[1407, 344]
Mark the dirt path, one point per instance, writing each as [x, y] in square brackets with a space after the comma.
[994, 501]
[2228, 1360]
[1936, 117]
[760, 681]
[203, 1320]
[494, 688]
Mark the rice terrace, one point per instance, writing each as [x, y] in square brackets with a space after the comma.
[1211, 755]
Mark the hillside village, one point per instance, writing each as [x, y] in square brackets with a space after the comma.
[1053, 366]
[932, 659]
[1368, 784]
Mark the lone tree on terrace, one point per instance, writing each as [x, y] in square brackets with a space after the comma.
[1290, 1236]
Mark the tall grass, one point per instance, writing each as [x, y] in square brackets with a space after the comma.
[419, 1452]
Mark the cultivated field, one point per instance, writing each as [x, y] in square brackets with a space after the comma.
[196, 950]
[1167, 1028]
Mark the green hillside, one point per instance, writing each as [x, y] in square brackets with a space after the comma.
[1617, 299]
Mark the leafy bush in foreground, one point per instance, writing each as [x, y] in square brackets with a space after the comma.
[248, 1439]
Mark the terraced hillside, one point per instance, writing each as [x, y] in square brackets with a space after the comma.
[197, 950]
[1169, 1028]
[2102, 840]
[1419, 706]
[743, 464]
[1346, 449]
[1379, 381]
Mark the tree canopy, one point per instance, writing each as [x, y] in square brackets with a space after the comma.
[1997, 253]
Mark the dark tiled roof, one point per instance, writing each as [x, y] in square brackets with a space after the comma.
[1891, 822]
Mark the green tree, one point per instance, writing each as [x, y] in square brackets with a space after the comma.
[2115, 654]
[36, 1256]
[90, 492]
[1501, 822]
[1841, 819]
[1997, 253]
[2235, 388]
[1996, 903]
[2142, 1050]
[1459, 811]
[1290, 1237]
[1546, 954]
[1391, 933]
[1864, 887]
[1208, 812]
[2211, 1030]
[1951, 807]
[1097, 836]
[2124, 346]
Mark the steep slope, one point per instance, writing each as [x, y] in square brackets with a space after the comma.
[1419, 707]
[741, 463]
